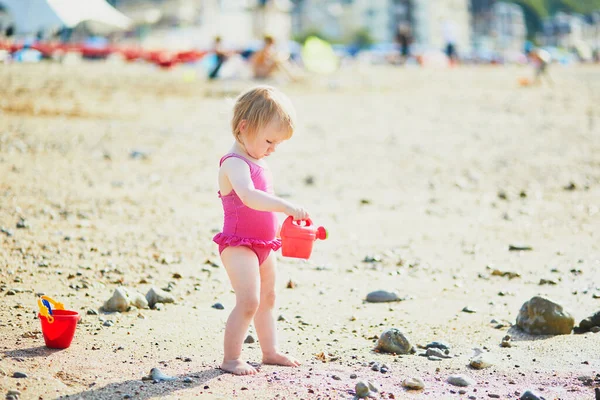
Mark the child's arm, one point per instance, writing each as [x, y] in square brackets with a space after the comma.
[238, 173]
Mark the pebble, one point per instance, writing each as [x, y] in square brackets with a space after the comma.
[519, 247]
[540, 316]
[91, 311]
[353, 376]
[382, 296]
[218, 306]
[187, 379]
[493, 395]
[108, 322]
[481, 361]
[438, 345]
[394, 341]
[469, 310]
[249, 339]
[383, 370]
[336, 377]
[156, 295]
[19, 375]
[434, 358]
[362, 389]
[413, 383]
[13, 392]
[530, 395]
[588, 323]
[119, 301]
[506, 341]
[432, 351]
[156, 375]
[460, 380]
[462, 391]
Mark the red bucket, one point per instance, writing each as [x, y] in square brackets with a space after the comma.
[59, 334]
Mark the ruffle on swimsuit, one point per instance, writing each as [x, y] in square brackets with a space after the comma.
[224, 239]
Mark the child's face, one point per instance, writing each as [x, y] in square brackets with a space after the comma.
[265, 140]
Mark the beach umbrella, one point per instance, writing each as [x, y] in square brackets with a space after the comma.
[31, 16]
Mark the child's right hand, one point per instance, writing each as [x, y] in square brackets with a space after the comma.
[298, 213]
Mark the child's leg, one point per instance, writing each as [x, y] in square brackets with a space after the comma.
[242, 267]
[264, 322]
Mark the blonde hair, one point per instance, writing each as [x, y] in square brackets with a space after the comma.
[259, 106]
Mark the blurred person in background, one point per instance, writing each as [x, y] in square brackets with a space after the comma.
[221, 57]
[404, 39]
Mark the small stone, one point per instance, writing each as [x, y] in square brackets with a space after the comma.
[22, 224]
[433, 352]
[588, 323]
[375, 367]
[13, 392]
[119, 301]
[156, 375]
[353, 376]
[394, 341]
[187, 379]
[362, 389]
[108, 322]
[460, 380]
[19, 375]
[335, 377]
[462, 391]
[382, 296]
[291, 284]
[156, 295]
[249, 339]
[530, 395]
[91, 311]
[413, 383]
[434, 358]
[481, 361]
[547, 282]
[383, 370]
[218, 306]
[519, 247]
[438, 345]
[469, 310]
[281, 318]
[540, 316]
[493, 395]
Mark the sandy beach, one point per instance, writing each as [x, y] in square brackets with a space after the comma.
[423, 178]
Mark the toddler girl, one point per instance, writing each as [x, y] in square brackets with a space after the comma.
[263, 118]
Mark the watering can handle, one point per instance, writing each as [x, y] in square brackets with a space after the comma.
[290, 221]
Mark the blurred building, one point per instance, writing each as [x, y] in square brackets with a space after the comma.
[194, 23]
[572, 31]
[433, 22]
[498, 26]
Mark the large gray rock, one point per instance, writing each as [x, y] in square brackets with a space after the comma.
[394, 341]
[156, 295]
[540, 316]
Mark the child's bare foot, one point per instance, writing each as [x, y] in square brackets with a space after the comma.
[280, 359]
[238, 367]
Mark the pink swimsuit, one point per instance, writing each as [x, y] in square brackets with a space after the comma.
[244, 226]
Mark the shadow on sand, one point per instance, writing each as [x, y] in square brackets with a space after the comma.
[139, 390]
[40, 351]
[517, 335]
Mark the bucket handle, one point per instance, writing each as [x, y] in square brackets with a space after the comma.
[45, 310]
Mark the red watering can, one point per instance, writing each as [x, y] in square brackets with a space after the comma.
[297, 237]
